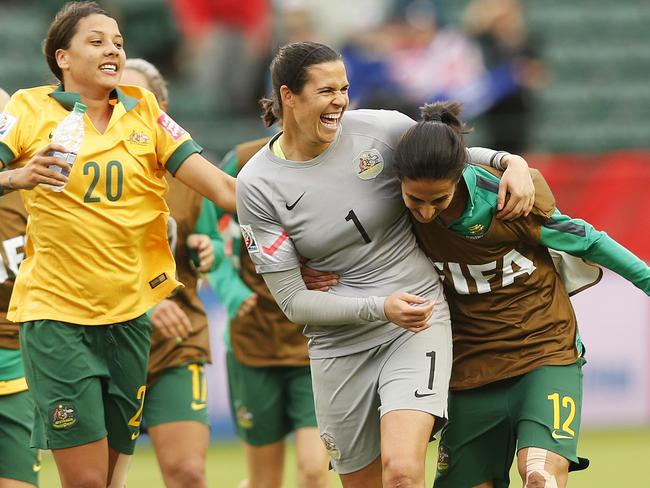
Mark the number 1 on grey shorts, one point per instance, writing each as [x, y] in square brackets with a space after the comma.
[352, 392]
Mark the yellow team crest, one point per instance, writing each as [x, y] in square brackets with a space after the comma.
[139, 138]
[476, 229]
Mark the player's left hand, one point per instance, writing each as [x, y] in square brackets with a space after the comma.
[317, 280]
[516, 190]
[202, 245]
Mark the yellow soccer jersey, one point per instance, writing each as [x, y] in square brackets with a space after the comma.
[97, 252]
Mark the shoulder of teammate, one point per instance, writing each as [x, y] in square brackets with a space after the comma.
[544, 199]
[385, 125]
[544, 206]
[236, 158]
[246, 150]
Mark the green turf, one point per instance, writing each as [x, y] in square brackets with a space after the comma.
[619, 460]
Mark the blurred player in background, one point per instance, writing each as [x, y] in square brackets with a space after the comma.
[268, 365]
[175, 413]
[97, 255]
[20, 463]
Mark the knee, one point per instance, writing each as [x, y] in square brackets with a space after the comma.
[312, 475]
[539, 479]
[543, 469]
[87, 479]
[402, 473]
[187, 472]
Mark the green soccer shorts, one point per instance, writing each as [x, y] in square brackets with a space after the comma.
[18, 461]
[88, 382]
[270, 402]
[179, 394]
[487, 425]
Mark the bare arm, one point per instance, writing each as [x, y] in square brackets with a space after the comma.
[208, 180]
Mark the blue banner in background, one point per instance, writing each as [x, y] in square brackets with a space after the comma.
[222, 425]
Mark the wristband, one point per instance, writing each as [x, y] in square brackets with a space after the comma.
[495, 162]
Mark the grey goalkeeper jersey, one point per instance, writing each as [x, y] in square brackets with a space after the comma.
[343, 211]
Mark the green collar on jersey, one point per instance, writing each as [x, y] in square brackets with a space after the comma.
[68, 99]
[481, 206]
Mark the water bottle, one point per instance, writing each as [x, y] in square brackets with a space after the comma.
[69, 134]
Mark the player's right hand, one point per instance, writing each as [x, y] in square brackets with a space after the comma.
[171, 320]
[37, 170]
[409, 311]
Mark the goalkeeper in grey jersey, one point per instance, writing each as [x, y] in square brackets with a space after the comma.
[380, 341]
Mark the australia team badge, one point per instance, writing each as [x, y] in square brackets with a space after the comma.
[368, 164]
[330, 445]
[63, 416]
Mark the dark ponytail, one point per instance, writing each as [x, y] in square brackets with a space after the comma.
[289, 67]
[269, 111]
[433, 148]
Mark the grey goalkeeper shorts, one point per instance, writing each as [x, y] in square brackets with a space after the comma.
[353, 392]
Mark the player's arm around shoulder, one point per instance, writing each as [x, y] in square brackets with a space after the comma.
[516, 192]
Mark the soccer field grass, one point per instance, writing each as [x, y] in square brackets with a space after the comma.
[619, 459]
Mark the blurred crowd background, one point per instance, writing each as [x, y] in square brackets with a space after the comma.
[566, 83]
[536, 76]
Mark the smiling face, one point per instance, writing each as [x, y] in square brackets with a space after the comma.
[94, 60]
[427, 198]
[317, 110]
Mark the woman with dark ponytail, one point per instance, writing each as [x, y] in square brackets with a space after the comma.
[517, 352]
[380, 340]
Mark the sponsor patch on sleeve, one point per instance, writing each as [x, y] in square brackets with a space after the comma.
[171, 127]
[7, 123]
[249, 239]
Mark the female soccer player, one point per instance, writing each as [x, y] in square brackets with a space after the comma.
[323, 189]
[268, 366]
[97, 252]
[175, 413]
[516, 381]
